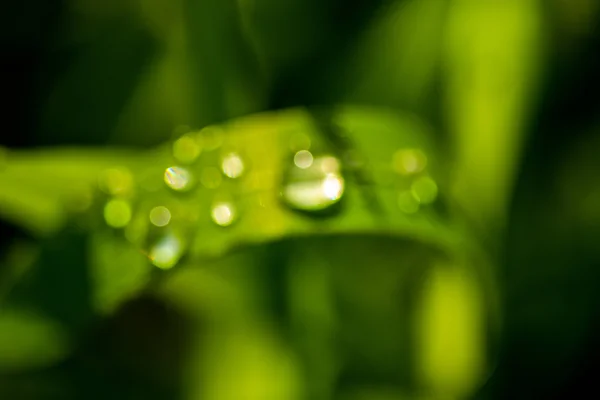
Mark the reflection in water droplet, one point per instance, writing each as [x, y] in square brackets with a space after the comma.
[409, 161]
[223, 213]
[425, 190]
[117, 213]
[160, 216]
[116, 181]
[408, 203]
[303, 159]
[329, 165]
[211, 178]
[178, 178]
[316, 187]
[232, 165]
[333, 187]
[167, 252]
[186, 149]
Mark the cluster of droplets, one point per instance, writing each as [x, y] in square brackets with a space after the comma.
[313, 182]
[163, 226]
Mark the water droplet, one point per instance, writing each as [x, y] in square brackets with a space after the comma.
[223, 213]
[408, 203]
[316, 187]
[160, 216]
[116, 181]
[166, 252]
[117, 213]
[409, 161]
[232, 165]
[211, 178]
[425, 190]
[178, 178]
[303, 159]
[186, 149]
[329, 165]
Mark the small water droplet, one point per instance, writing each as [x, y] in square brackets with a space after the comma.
[303, 159]
[117, 213]
[223, 213]
[408, 203]
[425, 190]
[167, 251]
[211, 178]
[178, 178]
[316, 187]
[409, 161]
[116, 181]
[186, 149]
[160, 216]
[232, 165]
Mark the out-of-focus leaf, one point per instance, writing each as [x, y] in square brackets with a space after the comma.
[396, 62]
[252, 357]
[29, 341]
[492, 60]
[40, 188]
[118, 271]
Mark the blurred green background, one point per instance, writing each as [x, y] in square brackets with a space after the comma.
[509, 92]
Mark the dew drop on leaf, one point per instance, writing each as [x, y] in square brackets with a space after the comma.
[223, 213]
[232, 165]
[312, 183]
[178, 178]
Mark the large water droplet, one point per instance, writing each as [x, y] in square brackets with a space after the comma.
[313, 186]
[166, 252]
[117, 213]
[232, 165]
[178, 178]
[223, 213]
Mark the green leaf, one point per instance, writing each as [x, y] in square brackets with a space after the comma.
[29, 341]
[41, 187]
